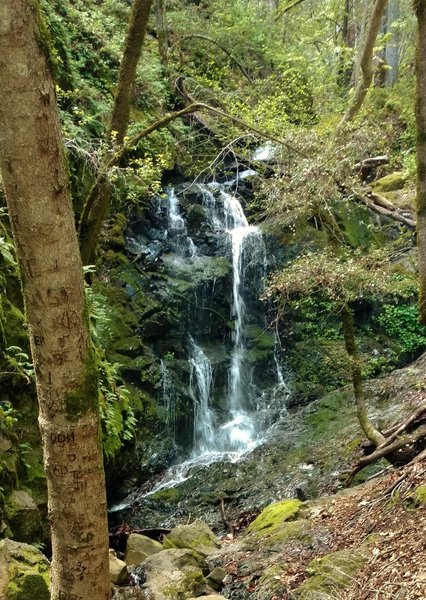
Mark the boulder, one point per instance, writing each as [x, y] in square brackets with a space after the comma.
[172, 574]
[23, 517]
[197, 536]
[117, 569]
[128, 593]
[139, 547]
[24, 572]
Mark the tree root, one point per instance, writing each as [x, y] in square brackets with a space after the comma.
[398, 449]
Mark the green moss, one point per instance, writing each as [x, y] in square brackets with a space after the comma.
[28, 586]
[272, 517]
[170, 496]
[331, 573]
[390, 183]
[191, 584]
[418, 497]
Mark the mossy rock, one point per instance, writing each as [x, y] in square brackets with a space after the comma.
[391, 182]
[274, 515]
[331, 573]
[196, 536]
[24, 572]
[23, 516]
[270, 583]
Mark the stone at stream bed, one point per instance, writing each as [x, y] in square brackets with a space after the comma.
[24, 572]
[139, 547]
[209, 597]
[117, 569]
[197, 536]
[173, 574]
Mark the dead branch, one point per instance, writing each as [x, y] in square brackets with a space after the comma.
[380, 206]
[412, 419]
[229, 526]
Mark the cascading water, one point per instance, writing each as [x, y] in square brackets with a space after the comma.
[220, 266]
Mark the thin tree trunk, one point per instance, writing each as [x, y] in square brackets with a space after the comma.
[364, 22]
[420, 8]
[160, 17]
[98, 203]
[350, 344]
[367, 70]
[393, 45]
[37, 191]
[126, 79]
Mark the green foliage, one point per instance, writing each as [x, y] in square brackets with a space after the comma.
[117, 417]
[401, 323]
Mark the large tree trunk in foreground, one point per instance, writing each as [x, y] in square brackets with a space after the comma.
[37, 191]
[99, 200]
[367, 69]
[420, 7]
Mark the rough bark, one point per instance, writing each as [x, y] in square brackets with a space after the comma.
[420, 7]
[37, 191]
[350, 344]
[131, 54]
[367, 69]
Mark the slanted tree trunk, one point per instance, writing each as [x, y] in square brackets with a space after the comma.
[135, 36]
[350, 344]
[360, 40]
[98, 202]
[420, 8]
[367, 70]
[38, 198]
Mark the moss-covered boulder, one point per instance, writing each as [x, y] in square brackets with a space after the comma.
[24, 572]
[331, 573]
[174, 574]
[274, 515]
[139, 547]
[391, 182]
[418, 497]
[197, 536]
[23, 517]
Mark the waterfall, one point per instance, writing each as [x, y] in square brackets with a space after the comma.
[168, 399]
[177, 231]
[200, 385]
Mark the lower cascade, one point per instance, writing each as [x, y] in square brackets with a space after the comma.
[214, 264]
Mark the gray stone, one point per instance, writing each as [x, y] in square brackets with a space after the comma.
[24, 572]
[117, 569]
[209, 597]
[139, 547]
[216, 577]
[197, 536]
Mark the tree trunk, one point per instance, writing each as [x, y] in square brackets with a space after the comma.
[360, 41]
[367, 70]
[37, 191]
[420, 8]
[160, 17]
[126, 79]
[393, 45]
[345, 68]
[350, 344]
[98, 202]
